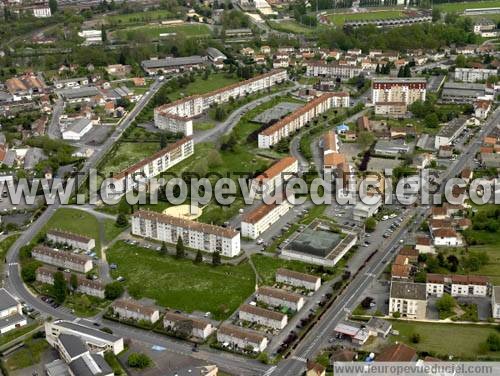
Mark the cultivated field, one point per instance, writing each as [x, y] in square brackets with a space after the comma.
[460, 7]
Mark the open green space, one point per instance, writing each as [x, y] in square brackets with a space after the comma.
[292, 27]
[339, 19]
[460, 7]
[125, 154]
[461, 341]
[181, 284]
[200, 86]
[491, 269]
[83, 223]
[13, 334]
[139, 17]
[185, 30]
[28, 355]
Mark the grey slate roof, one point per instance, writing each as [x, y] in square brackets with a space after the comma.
[173, 62]
[6, 300]
[82, 92]
[90, 365]
[88, 330]
[408, 290]
[78, 125]
[11, 320]
[73, 345]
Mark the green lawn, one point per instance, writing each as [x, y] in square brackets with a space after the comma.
[139, 17]
[200, 86]
[186, 30]
[180, 284]
[462, 341]
[292, 27]
[492, 268]
[83, 223]
[126, 154]
[13, 334]
[460, 7]
[28, 355]
[203, 126]
[338, 19]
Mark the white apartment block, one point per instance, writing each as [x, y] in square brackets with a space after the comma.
[84, 285]
[195, 235]
[300, 117]
[405, 90]
[447, 237]
[495, 302]
[178, 116]
[279, 298]
[201, 328]
[473, 74]
[297, 279]
[334, 69]
[275, 176]
[96, 340]
[254, 223]
[409, 299]
[457, 285]
[262, 316]
[62, 259]
[75, 240]
[141, 172]
[241, 338]
[11, 316]
[42, 12]
[133, 310]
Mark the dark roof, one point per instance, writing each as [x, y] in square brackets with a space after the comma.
[397, 353]
[73, 345]
[408, 290]
[6, 300]
[9, 320]
[173, 62]
[87, 330]
[86, 366]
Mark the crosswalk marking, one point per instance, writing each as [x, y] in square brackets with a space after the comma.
[269, 371]
[304, 360]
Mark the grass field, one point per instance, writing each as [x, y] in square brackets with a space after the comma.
[28, 355]
[186, 30]
[82, 223]
[200, 86]
[492, 268]
[462, 341]
[460, 7]
[126, 154]
[147, 16]
[292, 27]
[338, 19]
[13, 334]
[180, 284]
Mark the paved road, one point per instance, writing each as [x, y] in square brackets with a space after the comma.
[54, 131]
[224, 127]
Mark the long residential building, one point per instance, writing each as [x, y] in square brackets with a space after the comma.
[133, 310]
[300, 117]
[399, 90]
[457, 285]
[141, 172]
[178, 116]
[195, 235]
[62, 259]
[262, 316]
[11, 315]
[279, 298]
[474, 74]
[200, 328]
[241, 338]
[254, 223]
[276, 175]
[75, 240]
[297, 279]
[84, 285]
[334, 69]
[173, 64]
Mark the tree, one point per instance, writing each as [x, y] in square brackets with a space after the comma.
[370, 224]
[460, 61]
[213, 158]
[121, 220]
[28, 272]
[184, 328]
[445, 305]
[113, 290]
[104, 36]
[431, 120]
[436, 15]
[415, 338]
[493, 342]
[59, 289]
[53, 6]
[199, 257]
[216, 258]
[139, 360]
[164, 249]
[179, 248]
[73, 281]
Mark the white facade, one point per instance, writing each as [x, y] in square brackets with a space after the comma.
[260, 219]
[402, 90]
[473, 74]
[201, 328]
[77, 130]
[457, 285]
[363, 211]
[279, 298]
[195, 235]
[495, 302]
[409, 299]
[262, 316]
[275, 176]
[300, 117]
[241, 338]
[178, 116]
[321, 69]
[75, 240]
[292, 278]
[42, 12]
[62, 259]
[11, 316]
[84, 286]
[95, 339]
[130, 309]
[140, 173]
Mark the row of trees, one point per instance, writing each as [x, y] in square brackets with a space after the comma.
[180, 253]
